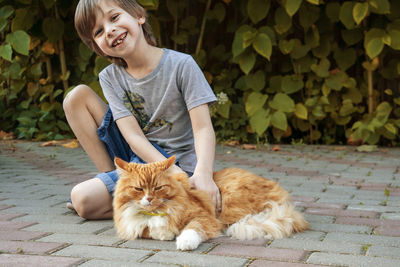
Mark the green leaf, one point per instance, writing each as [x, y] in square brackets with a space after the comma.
[48, 3]
[238, 41]
[149, 4]
[374, 42]
[19, 40]
[99, 64]
[254, 102]
[262, 44]
[379, 6]
[308, 15]
[283, 22]
[292, 6]
[322, 69]
[314, 2]
[85, 52]
[224, 109]
[333, 11]
[384, 109]
[336, 81]
[291, 84]
[301, 111]
[258, 9]
[345, 58]
[260, 121]
[6, 52]
[395, 37]
[299, 50]
[23, 20]
[286, 46]
[360, 11]
[351, 37]
[256, 81]
[53, 29]
[346, 15]
[247, 61]
[391, 128]
[278, 120]
[6, 11]
[282, 102]
[347, 108]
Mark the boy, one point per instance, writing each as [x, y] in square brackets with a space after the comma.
[158, 105]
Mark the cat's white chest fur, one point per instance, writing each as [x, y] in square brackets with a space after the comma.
[135, 223]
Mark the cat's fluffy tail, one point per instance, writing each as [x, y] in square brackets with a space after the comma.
[275, 222]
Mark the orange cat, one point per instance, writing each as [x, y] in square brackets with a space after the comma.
[150, 202]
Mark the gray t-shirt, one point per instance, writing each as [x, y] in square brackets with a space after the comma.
[160, 101]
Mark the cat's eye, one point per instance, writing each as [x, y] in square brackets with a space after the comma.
[138, 189]
[158, 187]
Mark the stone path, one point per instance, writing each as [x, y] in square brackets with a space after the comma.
[351, 200]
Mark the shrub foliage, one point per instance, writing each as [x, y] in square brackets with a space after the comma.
[283, 70]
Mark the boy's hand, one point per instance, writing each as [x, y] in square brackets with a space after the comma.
[207, 184]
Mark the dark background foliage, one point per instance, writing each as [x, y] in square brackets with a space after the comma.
[289, 71]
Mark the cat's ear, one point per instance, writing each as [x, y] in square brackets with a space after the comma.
[169, 161]
[121, 164]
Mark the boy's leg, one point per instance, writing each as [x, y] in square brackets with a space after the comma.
[92, 200]
[85, 110]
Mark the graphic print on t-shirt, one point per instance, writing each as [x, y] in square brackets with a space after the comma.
[135, 104]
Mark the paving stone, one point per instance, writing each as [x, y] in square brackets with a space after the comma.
[351, 260]
[194, 259]
[265, 263]
[230, 240]
[381, 251]
[340, 212]
[11, 260]
[104, 253]
[30, 247]
[67, 219]
[104, 263]
[388, 241]
[9, 225]
[13, 235]
[331, 227]
[66, 228]
[308, 235]
[366, 221]
[259, 252]
[9, 216]
[388, 230]
[311, 218]
[313, 245]
[377, 208]
[161, 245]
[82, 239]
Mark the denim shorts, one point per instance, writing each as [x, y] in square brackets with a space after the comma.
[116, 145]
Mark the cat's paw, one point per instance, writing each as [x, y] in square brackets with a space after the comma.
[188, 240]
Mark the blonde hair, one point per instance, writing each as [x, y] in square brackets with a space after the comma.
[85, 20]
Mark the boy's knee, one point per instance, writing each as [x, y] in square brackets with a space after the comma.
[81, 201]
[75, 96]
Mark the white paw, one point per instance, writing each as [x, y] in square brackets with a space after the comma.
[188, 240]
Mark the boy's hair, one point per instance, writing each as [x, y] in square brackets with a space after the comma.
[85, 20]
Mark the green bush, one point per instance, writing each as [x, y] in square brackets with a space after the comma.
[284, 71]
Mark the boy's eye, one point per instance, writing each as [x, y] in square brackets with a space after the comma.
[138, 189]
[97, 32]
[158, 187]
[114, 17]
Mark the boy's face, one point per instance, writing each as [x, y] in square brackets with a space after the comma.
[116, 32]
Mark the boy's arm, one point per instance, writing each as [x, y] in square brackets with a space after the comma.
[204, 142]
[138, 142]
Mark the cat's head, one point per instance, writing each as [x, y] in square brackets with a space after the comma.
[148, 186]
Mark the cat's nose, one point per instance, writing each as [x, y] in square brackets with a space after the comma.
[149, 199]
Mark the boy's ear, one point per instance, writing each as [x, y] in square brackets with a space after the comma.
[121, 164]
[141, 20]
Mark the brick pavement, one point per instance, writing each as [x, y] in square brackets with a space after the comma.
[341, 191]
